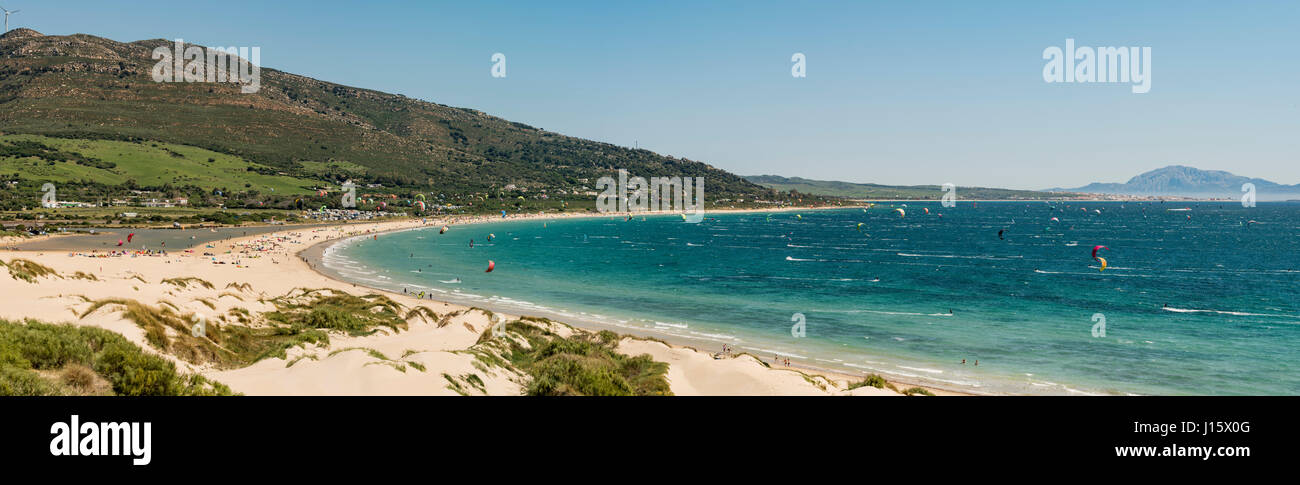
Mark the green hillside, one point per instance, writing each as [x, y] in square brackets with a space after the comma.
[148, 164]
[295, 132]
[876, 191]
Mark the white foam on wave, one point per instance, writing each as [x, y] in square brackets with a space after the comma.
[952, 256]
[921, 369]
[1221, 312]
[775, 352]
[883, 312]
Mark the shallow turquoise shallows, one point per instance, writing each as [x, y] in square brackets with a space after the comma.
[1199, 301]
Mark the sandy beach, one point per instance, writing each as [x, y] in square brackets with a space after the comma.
[241, 275]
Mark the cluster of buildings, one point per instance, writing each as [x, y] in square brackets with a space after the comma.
[349, 215]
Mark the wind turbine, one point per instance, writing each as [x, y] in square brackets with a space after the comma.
[7, 13]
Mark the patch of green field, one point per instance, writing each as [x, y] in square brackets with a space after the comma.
[150, 164]
[320, 169]
[144, 215]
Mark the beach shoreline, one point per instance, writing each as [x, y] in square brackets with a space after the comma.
[230, 262]
[313, 256]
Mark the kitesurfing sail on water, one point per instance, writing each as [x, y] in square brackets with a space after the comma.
[1099, 259]
[1098, 248]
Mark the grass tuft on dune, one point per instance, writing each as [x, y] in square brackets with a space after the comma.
[584, 364]
[28, 270]
[302, 317]
[873, 380]
[185, 282]
[41, 359]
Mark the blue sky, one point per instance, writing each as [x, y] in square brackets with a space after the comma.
[896, 92]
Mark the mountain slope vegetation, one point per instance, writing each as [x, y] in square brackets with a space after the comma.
[90, 88]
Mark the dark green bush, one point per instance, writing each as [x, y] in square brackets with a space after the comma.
[33, 346]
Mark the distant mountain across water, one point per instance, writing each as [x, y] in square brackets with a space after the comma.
[1184, 181]
[835, 188]
[1171, 181]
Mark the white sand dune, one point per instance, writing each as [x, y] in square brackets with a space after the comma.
[244, 270]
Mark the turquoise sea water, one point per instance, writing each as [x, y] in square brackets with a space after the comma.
[1206, 304]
